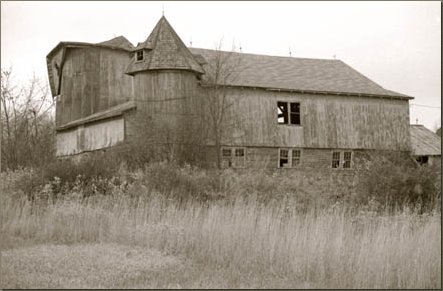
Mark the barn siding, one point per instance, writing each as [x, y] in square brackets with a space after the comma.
[90, 137]
[167, 100]
[93, 81]
[326, 121]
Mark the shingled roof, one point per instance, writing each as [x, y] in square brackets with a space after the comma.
[424, 142]
[163, 49]
[299, 74]
[118, 42]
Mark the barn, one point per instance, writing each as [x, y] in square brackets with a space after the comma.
[234, 109]
[425, 145]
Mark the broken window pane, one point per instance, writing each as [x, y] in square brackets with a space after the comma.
[347, 160]
[284, 158]
[336, 159]
[295, 113]
[296, 155]
[282, 110]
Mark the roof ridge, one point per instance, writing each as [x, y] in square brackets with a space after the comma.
[262, 55]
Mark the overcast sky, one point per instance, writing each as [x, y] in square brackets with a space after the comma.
[396, 44]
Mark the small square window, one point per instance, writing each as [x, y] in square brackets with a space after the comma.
[288, 113]
[233, 157]
[139, 56]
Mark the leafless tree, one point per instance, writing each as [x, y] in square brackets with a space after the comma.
[27, 134]
[221, 71]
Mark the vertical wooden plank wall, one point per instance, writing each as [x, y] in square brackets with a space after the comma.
[93, 81]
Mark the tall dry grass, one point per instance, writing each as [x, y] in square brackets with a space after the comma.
[323, 249]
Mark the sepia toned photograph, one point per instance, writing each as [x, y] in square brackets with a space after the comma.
[220, 145]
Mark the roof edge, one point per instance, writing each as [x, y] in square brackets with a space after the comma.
[404, 97]
[109, 113]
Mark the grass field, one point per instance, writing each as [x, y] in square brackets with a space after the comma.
[118, 242]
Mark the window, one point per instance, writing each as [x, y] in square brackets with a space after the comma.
[284, 158]
[296, 154]
[343, 159]
[347, 160]
[295, 113]
[288, 113]
[422, 160]
[139, 56]
[239, 158]
[282, 108]
[233, 157]
[336, 159]
[289, 158]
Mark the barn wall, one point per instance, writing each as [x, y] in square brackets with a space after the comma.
[167, 107]
[90, 137]
[327, 121]
[93, 80]
[268, 158]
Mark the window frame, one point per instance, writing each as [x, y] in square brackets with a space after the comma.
[233, 158]
[289, 114]
[289, 157]
[137, 54]
[341, 160]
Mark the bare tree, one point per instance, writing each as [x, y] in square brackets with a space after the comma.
[221, 71]
[27, 135]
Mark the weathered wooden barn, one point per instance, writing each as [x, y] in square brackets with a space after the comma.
[278, 112]
[425, 145]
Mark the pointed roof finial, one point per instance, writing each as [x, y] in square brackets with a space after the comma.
[416, 121]
[190, 42]
[163, 10]
[240, 48]
[290, 52]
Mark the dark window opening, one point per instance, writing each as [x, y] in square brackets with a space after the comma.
[336, 159]
[422, 160]
[139, 56]
[282, 108]
[295, 113]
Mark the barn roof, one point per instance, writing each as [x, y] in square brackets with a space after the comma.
[163, 49]
[118, 42]
[424, 142]
[299, 74]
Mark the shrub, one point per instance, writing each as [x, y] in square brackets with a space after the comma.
[394, 180]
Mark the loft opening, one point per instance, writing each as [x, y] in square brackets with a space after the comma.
[288, 113]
